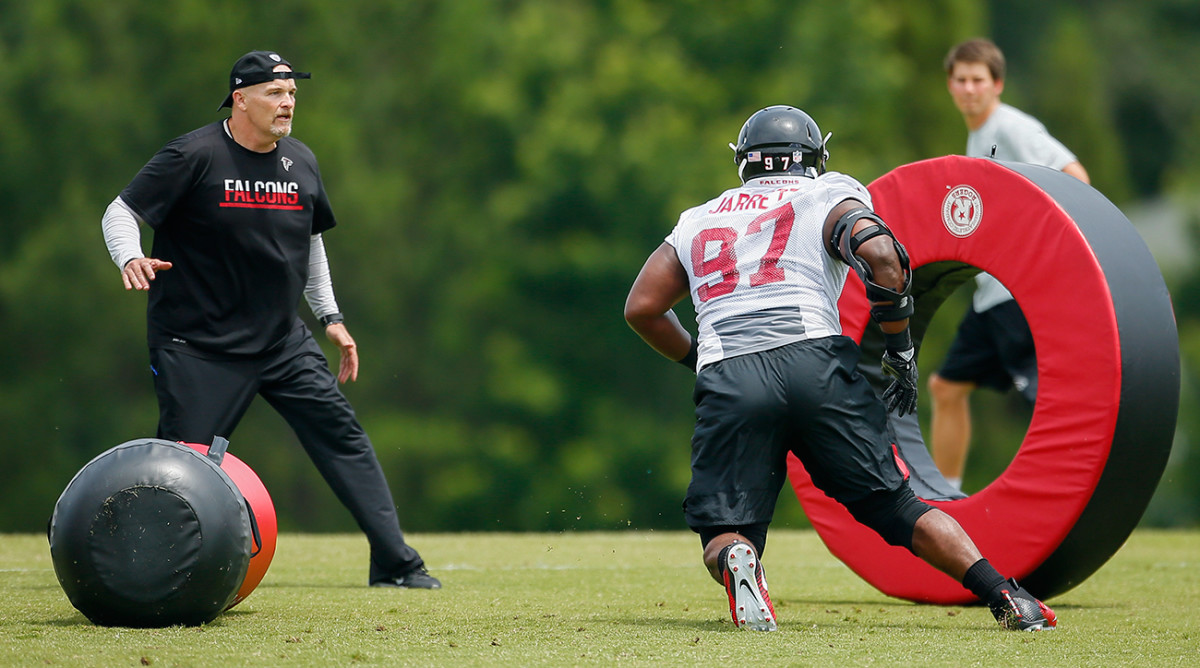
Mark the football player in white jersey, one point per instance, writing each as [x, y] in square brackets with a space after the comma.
[764, 264]
[993, 346]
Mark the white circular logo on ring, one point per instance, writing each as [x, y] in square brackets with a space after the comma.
[962, 211]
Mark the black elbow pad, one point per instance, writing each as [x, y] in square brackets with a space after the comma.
[886, 304]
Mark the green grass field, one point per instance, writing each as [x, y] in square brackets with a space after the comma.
[603, 598]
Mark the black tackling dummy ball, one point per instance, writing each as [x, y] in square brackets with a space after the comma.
[150, 534]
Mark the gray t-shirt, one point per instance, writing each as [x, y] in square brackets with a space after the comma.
[1018, 137]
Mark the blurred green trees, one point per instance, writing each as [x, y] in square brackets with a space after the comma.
[500, 171]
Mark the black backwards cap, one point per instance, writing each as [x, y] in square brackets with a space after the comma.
[255, 68]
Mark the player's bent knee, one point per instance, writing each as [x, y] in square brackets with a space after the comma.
[893, 515]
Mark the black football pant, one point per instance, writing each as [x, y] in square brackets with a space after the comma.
[199, 398]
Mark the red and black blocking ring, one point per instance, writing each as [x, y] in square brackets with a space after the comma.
[1108, 367]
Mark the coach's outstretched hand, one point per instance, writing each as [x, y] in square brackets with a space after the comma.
[138, 272]
[348, 366]
[901, 395]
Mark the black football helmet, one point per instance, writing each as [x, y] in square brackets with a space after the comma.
[780, 140]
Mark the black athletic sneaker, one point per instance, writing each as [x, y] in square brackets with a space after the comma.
[417, 579]
[1018, 610]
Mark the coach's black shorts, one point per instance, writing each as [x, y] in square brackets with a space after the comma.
[994, 349]
[807, 398]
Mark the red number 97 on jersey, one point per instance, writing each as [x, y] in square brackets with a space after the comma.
[725, 260]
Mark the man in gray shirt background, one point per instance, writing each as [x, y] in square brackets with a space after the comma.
[993, 346]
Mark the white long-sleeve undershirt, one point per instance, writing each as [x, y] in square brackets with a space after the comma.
[124, 241]
[318, 292]
[121, 233]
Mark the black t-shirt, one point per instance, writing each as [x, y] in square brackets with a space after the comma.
[236, 225]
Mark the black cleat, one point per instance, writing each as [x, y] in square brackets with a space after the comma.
[1018, 610]
[415, 579]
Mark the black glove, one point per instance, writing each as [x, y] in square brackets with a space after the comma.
[899, 362]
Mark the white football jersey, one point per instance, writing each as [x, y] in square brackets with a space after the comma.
[759, 274]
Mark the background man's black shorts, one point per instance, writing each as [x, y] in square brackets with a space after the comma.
[994, 349]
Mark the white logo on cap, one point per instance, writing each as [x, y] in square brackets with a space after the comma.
[276, 58]
[237, 80]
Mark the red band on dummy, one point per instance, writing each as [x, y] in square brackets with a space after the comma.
[256, 495]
